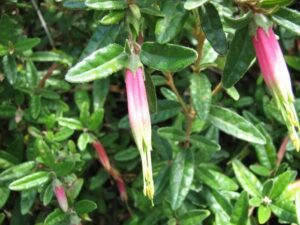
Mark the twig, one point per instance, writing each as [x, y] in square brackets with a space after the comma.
[200, 37]
[282, 151]
[217, 89]
[43, 22]
[47, 75]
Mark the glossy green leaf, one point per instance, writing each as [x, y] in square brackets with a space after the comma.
[161, 180]
[113, 17]
[27, 200]
[238, 23]
[260, 170]
[151, 93]
[31, 74]
[70, 123]
[204, 143]
[57, 217]
[7, 160]
[182, 174]
[171, 133]
[3, 50]
[85, 206]
[17, 171]
[201, 95]
[30, 181]
[193, 4]
[220, 206]
[63, 134]
[35, 106]
[275, 3]
[193, 217]
[47, 194]
[240, 211]
[83, 141]
[212, 27]
[289, 19]
[247, 180]
[4, 194]
[240, 48]
[264, 214]
[293, 61]
[7, 111]
[235, 125]
[127, 155]
[106, 4]
[168, 94]
[214, 179]
[99, 64]
[10, 68]
[280, 183]
[26, 44]
[54, 56]
[285, 211]
[167, 58]
[74, 4]
[175, 15]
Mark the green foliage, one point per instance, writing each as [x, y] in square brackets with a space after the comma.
[219, 155]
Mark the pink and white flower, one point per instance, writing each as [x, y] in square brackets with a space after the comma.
[277, 78]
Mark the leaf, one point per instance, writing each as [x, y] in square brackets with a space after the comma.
[239, 214]
[7, 111]
[289, 19]
[26, 44]
[63, 134]
[2, 217]
[126, 155]
[100, 91]
[31, 74]
[99, 64]
[247, 180]
[102, 36]
[214, 179]
[285, 211]
[238, 23]
[17, 171]
[274, 3]
[4, 195]
[161, 180]
[85, 206]
[240, 48]
[47, 194]
[167, 58]
[175, 15]
[171, 133]
[293, 61]
[235, 125]
[106, 4]
[182, 174]
[30, 181]
[219, 205]
[54, 56]
[113, 17]
[201, 95]
[10, 68]
[71, 123]
[280, 183]
[151, 93]
[204, 143]
[193, 217]
[212, 27]
[264, 214]
[193, 4]
[83, 141]
[27, 200]
[35, 106]
[57, 217]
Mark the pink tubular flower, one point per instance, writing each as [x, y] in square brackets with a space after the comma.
[122, 189]
[277, 78]
[140, 122]
[102, 155]
[61, 197]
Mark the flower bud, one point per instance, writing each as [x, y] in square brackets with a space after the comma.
[122, 189]
[140, 123]
[102, 155]
[277, 78]
[61, 197]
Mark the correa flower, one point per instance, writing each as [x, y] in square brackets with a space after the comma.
[102, 155]
[140, 123]
[277, 78]
[60, 195]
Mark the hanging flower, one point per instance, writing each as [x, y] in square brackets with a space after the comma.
[102, 155]
[140, 123]
[277, 78]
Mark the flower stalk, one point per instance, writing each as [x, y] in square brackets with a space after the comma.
[276, 76]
